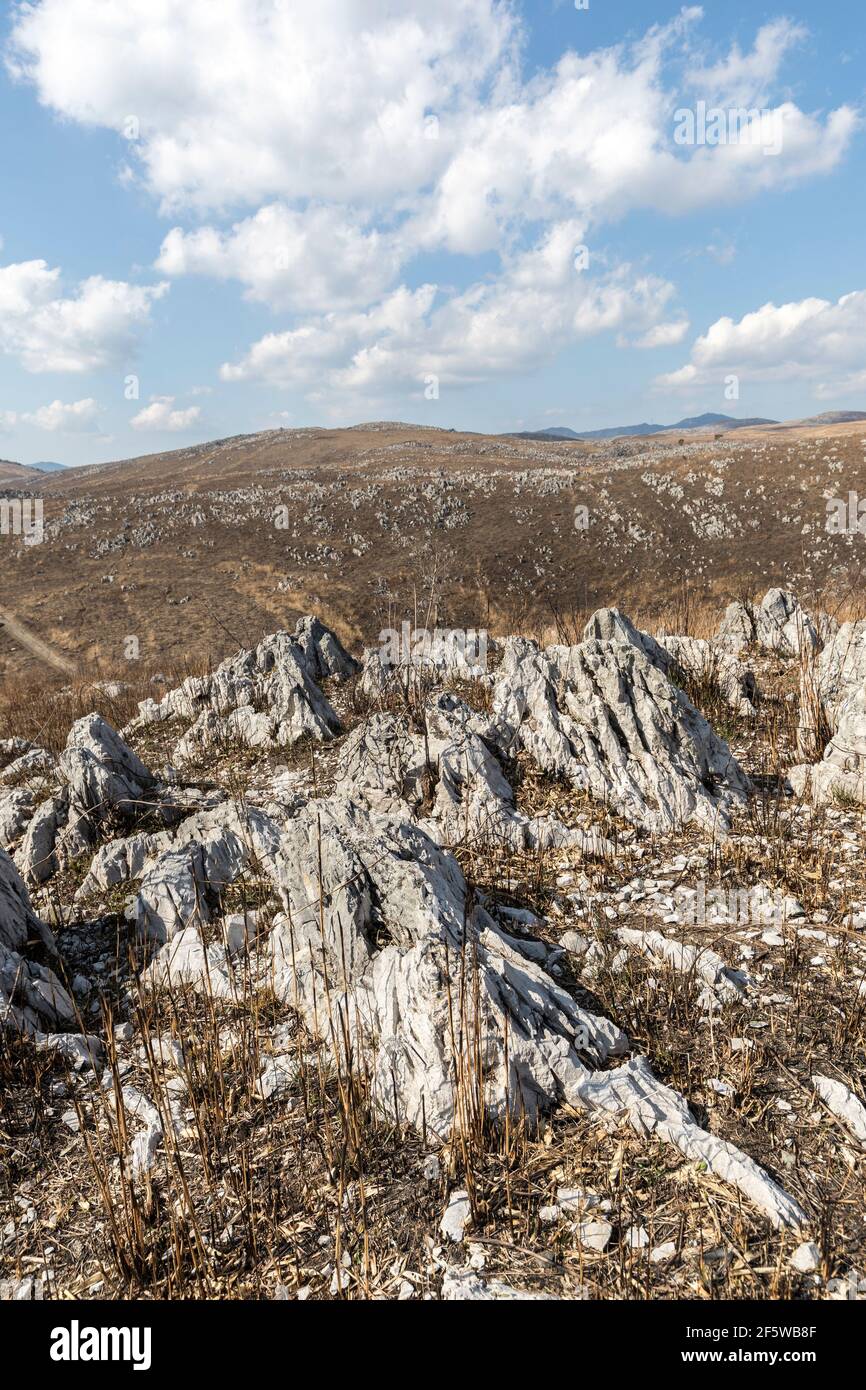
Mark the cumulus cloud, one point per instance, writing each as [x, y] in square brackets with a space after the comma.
[275, 99]
[49, 332]
[810, 339]
[746, 79]
[663, 335]
[160, 415]
[542, 300]
[309, 261]
[374, 106]
[78, 417]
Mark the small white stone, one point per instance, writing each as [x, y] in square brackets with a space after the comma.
[575, 1199]
[457, 1216]
[594, 1235]
[806, 1258]
[663, 1252]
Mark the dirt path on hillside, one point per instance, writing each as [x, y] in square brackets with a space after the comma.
[41, 650]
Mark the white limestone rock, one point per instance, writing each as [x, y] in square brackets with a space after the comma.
[692, 655]
[841, 668]
[779, 624]
[456, 1217]
[16, 810]
[603, 717]
[185, 960]
[451, 768]
[841, 773]
[843, 1104]
[806, 1258]
[414, 657]
[263, 697]
[610, 625]
[102, 772]
[82, 1051]
[32, 999]
[464, 1285]
[387, 954]
[706, 661]
[36, 856]
[632, 1092]
[29, 766]
[723, 983]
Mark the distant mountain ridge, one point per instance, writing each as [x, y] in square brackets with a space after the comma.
[692, 422]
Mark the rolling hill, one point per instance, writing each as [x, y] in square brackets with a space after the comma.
[204, 549]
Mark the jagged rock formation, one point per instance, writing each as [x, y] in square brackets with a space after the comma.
[31, 996]
[16, 810]
[603, 717]
[841, 774]
[382, 948]
[263, 697]
[841, 668]
[827, 684]
[610, 625]
[705, 661]
[778, 624]
[450, 765]
[690, 655]
[412, 657]
[28, 764]
[102, 782]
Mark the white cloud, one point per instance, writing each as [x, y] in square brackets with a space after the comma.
[809, 339]
[332, 103]
[663, 335]
[848, 385]
[746, 79]
[79, 417]
[722, 252]
[272, 98]
[159, 415]
[540, 303]
[48, 332]
[8, 421]
[309, 261]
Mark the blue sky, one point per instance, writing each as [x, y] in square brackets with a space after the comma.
[322, 215]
